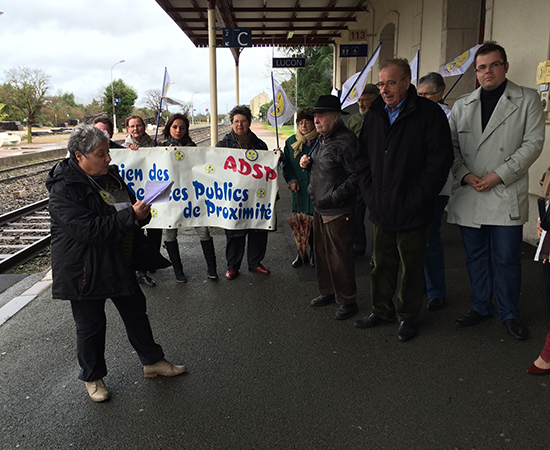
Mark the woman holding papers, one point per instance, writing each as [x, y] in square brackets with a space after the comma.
[136, 138]
[176, 133]
[298, 179]
[241, 137]
[94, 220]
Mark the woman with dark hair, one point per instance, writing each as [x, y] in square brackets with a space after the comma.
[240, 136]
[136, 138]
[176, 133]
[298, 180]
[94, 219]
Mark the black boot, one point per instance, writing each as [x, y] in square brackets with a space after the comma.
[174, 253]
[298, 261]
[210, 257]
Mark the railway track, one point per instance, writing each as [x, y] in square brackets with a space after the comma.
[25, 232]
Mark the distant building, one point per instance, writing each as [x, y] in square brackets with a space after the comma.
[257, 102]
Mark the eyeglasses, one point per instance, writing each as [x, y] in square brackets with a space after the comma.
[427, 94]
[491, 66]
[388, 84]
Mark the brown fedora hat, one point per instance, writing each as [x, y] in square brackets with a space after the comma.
[328, 103]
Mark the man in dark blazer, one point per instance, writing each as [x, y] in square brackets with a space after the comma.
[407, 156]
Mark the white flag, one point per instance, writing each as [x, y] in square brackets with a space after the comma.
[352, 95]
[166, 83]
[460, 64]
[173, 102]
[414, 67]
[282, 105]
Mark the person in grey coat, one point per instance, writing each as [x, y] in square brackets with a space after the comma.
[497, 133]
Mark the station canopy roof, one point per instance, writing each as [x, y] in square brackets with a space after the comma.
[273, 22]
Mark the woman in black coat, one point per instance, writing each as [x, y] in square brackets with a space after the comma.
[176, 133]
[93, 220]
[240, 136]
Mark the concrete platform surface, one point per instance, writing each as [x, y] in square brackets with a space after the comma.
[267, 371]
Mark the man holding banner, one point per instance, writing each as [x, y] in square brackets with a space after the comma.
[407, 143]
[497, 132]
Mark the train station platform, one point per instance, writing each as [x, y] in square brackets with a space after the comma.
[267, 371]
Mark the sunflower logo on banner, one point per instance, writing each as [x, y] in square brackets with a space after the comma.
[460, 64]
[282, 107]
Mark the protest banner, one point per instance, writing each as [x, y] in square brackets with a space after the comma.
[220, 187]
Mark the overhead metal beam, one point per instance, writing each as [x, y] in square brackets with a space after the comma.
[273, 19]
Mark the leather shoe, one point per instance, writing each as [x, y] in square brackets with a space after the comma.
[435, 303]
[323, 300]
[371, 321]
[346, 311]
[470, 318]
[406, 331]
[97, 390]
[298, 262]
[146, 280]
[230, 274]
[516, 329]
[164, 368]
[534, 370]
[260, 269]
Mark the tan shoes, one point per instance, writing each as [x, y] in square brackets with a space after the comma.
[164, 368]
[97, 390]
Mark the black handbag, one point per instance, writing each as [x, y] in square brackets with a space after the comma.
[144, 254]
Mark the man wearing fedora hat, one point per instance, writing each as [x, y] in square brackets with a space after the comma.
[332, 190]
[406, 141]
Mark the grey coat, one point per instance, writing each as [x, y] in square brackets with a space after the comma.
[510, 143]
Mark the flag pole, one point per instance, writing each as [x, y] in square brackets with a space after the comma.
[366, 65]
[275, 109]
[417, 66]
[160, 107]
[452, 87]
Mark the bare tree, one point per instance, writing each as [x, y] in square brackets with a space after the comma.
[152, 101]
[26, 91]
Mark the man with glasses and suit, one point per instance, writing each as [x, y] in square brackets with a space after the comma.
[407, 156]
[497, 132]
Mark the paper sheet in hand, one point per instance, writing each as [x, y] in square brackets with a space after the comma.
[157, 191]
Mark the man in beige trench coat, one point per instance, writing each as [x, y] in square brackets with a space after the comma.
[497, 133]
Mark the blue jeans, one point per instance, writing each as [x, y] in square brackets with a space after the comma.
[434, 268]
[494, 266]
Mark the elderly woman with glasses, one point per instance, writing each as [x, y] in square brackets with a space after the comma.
[136, 138]
[242, 137]
[94, 217]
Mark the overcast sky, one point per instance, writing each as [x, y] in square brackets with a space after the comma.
[77, 42]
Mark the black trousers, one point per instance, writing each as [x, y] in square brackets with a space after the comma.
[91, 325]
[359, 232]
[236, 242]
[391, 250]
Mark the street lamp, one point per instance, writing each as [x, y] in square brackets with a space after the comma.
[113, 94]
[193, 108]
